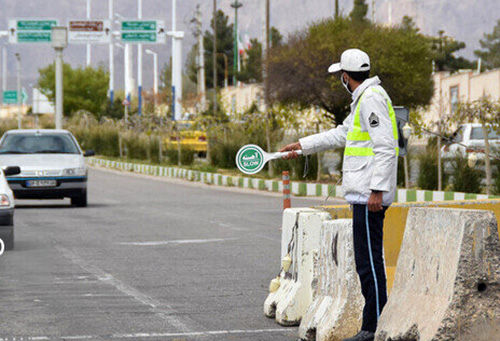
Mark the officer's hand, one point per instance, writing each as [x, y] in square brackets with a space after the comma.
[375, 202]
[291, 148]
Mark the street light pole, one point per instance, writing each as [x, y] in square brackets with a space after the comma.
[111, 56]
[214, 57]
[139, 64]
[155, 74]
[19, 100]
[236, 4]
[59, 43]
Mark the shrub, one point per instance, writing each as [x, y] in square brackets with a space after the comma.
[428, 173]
[187, 156]
[465, 178]
[297, 167]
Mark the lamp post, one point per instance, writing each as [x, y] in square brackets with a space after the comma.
[59, 43]
[236, 4]
[139, 64]
[155, 74]
[126, 77]
[19, 100]
[111, 56]
[407, 131]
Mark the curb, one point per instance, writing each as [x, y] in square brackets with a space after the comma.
[296, 188]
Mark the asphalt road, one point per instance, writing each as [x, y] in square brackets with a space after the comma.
[149, 259]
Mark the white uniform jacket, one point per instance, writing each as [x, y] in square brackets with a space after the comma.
[361, 175]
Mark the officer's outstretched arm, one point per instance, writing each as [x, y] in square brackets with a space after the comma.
[375, 118]
[333, 138]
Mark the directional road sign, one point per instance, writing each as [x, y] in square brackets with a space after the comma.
[10, 97]
[143, 32]
[31, 30]
[89, 31]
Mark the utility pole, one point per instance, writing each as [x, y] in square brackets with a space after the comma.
[139, 64]
[373, 10]
[265, 69]
[236, 4]
[336, 9]
[200, 59]
[19, 100]
[59, 43]
[155, 75]
[111, 56]
[88, 45]
[176, 66]
[214, 57]
[4, 68]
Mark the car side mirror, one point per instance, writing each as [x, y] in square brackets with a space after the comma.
[12, 170]
[89, 153]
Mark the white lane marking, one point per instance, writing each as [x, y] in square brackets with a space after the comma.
[181, 241]
[164, 311]
[157, 335]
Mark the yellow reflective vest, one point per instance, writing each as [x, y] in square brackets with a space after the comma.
[370, 137]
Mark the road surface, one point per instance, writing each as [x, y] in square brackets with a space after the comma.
[149, 259]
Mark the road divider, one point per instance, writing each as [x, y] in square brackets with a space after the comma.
[447, 277]
[296, 188]
[326, 300]
[336, 310]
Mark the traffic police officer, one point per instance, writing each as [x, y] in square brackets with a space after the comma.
[370, 137]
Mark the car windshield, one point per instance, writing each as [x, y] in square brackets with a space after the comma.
[38, 144]
[477, 134]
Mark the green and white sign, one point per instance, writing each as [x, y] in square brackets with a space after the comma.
[143, 32]
[10, 97]
[31, 30]
[250, 159]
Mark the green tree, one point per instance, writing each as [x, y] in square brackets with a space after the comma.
[84, 88]
[276, 37]
[225, 42]
[251, 71]
[490, 48]
[400, 57]
[444, 48]
[359, 11]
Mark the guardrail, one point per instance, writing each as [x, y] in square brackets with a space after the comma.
[296, 188]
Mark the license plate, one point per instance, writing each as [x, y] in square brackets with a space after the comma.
[41, 183]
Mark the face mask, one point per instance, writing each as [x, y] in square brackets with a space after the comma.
[345, 83]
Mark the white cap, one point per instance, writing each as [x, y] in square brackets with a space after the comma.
[353, 60]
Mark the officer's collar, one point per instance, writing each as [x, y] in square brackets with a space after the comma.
[363, 86]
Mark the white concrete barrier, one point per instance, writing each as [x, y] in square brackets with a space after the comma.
[336, 310]
[447, 278]
[300, 241]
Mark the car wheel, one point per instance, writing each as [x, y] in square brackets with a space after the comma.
[80, 201]
[8, 240]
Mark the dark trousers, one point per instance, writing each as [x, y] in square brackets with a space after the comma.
[368, 254]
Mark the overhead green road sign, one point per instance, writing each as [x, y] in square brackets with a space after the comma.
[31, 30]
[36, 25]
[143, 31]
[34, 37]
[134, 37]
[139, 25]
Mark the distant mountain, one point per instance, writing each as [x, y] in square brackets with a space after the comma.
[465, 20]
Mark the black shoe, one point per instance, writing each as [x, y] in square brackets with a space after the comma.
[362, 336]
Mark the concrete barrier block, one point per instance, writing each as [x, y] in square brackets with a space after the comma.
[336, 310]
[447, 280]
[300, 240]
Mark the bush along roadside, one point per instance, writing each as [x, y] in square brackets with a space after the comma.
[297, 188]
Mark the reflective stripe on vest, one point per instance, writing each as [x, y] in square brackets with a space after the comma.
[356, 134]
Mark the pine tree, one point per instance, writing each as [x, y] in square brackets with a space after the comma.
[359, 11]
[490, 48]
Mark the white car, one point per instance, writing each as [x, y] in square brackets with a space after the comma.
[52, 165]
[7, 208]
[469, 138]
